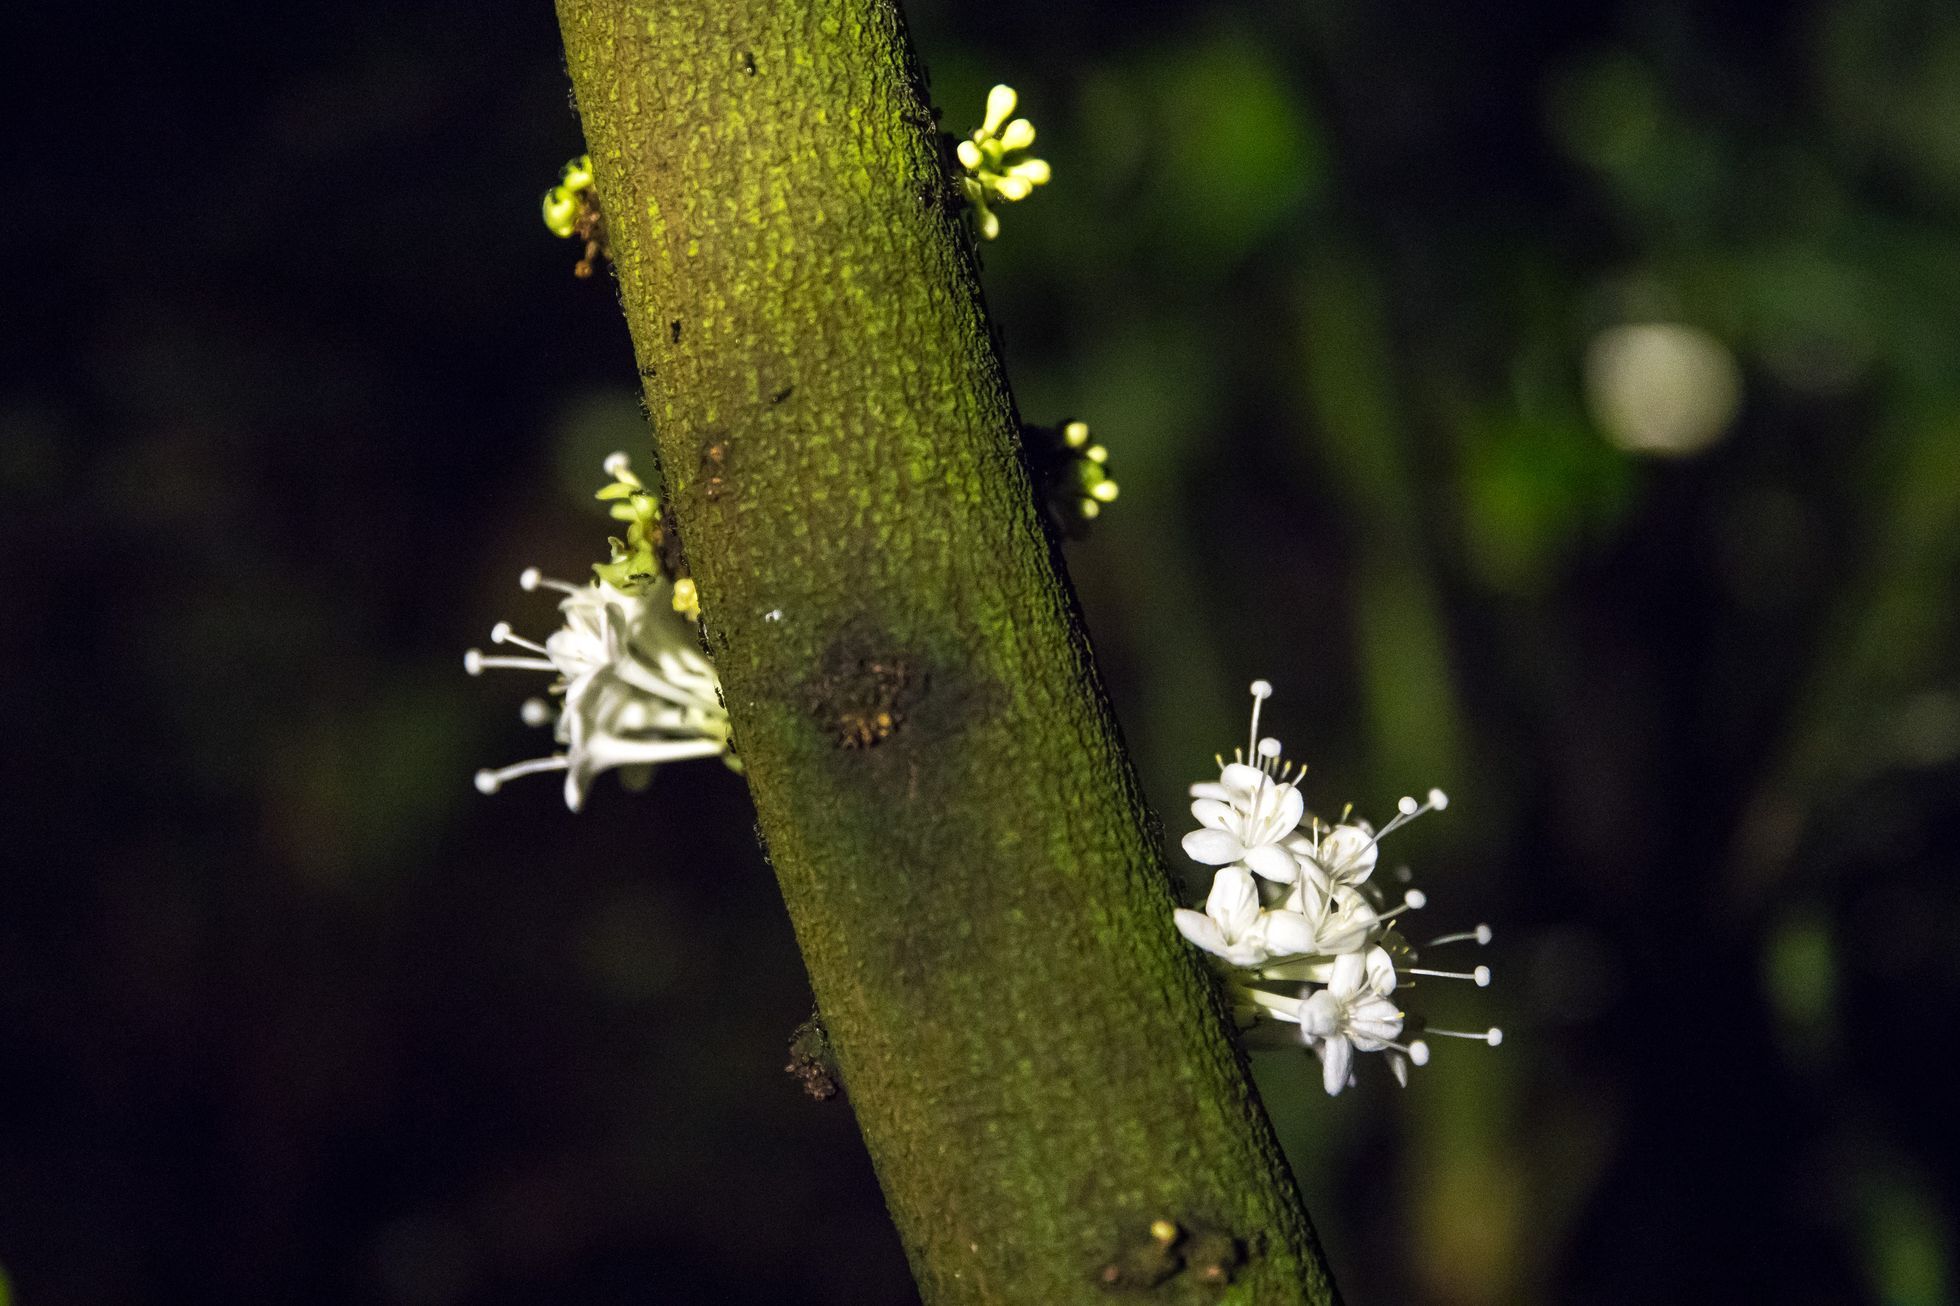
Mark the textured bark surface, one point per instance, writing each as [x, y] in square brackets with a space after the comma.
[1035, 1058]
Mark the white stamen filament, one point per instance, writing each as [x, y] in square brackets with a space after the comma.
[1493, 1036]
[1480, 936]
[475, 663]
[1261, 691]
[489, 781]
[1480, 976]
[501, 633]
[533, 579]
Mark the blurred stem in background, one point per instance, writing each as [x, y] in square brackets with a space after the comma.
[1049, 1093]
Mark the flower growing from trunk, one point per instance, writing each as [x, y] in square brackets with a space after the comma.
[632, 687]
[571, 212]
[989, 176]
[1319, 951]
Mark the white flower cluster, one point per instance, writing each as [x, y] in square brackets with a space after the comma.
[1309, 936]
[632, 689]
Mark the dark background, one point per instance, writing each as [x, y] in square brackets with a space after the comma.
[296, 384]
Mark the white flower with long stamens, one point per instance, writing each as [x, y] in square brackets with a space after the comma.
[634, 691]
[1250, 812]
[1352, 1014]
[1346, 854]
[989, 176]
[1231, 926]
[1322, 951]
[1339, 919]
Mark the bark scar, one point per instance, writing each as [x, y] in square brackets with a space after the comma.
[862, 691]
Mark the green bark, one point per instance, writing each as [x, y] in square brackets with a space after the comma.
[1038, 1063]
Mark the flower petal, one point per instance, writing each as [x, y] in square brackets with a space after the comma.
[1212, 814]
[1286, 818]
[1243, 780]
[1233, 901]
[1199, 929]
[1336, 1057]
[1348, 852]
[1273, 862]
[1211, 847]
[1381, 970]
[1349, 975]
[1289, 934]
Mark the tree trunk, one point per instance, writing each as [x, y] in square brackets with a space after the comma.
[1039, 1064]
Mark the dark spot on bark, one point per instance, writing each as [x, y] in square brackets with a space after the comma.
[714, 467]
[812, 1061]
[674, 331]
[782, 394]
[862, 691]
[748, 62]
[648, 372]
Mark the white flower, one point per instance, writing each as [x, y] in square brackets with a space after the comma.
[1346, 854]
[1231, 925]
[984, 156]
[1339, 919]
[1235, 927]
[634, 689]
[1352, 1014]
[1250, 812]
[1247, 818]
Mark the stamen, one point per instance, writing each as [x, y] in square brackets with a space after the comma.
[1481, 975]
[533, 579]
[615, 464]
[1493, 1036]
[474, 663]
[1261, 691]
[489, 782]
[1480, 936]
[1415, 899]
[1419, 1052]
[535, 712]
[501, 633]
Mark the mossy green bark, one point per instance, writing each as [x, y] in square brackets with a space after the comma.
[1037, 1061]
